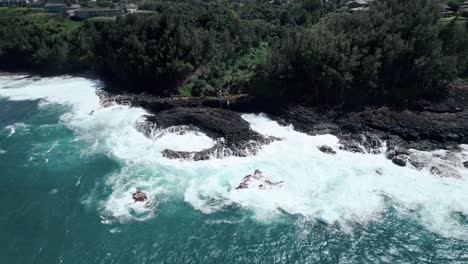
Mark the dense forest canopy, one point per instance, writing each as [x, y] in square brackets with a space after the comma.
[310, 50]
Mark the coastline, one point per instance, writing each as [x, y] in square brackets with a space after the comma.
[85, 74]
[97, 160]
[421, 126]
[6, 73]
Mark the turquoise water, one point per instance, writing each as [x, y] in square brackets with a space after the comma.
[68, 167]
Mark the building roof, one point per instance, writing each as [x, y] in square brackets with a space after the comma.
[97, 9]
[361, 2]
[361, 8]
[55, 5]
[131, 6]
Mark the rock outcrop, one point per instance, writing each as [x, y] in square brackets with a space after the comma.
[421, 125]
[327, 150]
[233, 134]
[465, 164]
[139, 196]
[400, 161]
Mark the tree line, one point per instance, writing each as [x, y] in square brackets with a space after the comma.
[309, 51]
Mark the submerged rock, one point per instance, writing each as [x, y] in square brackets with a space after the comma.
[418, 164]
[396, 151]
[139, 196]
[258, 177]
[245, 181]
[242, 185]
[442, 170]
[327, 150]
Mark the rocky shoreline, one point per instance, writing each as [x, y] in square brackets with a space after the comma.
[422, 125]
[233, 134]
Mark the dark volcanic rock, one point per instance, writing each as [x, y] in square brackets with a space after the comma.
[351, 145]
[465, 164]
[240, 103]
[421, 125]
[313, 121]
[236, 136]
[396, 151]
[139, 196]
[220, 150]
[425, 125]
[400, 161]
[327, 150]
[444, 171]
[418, 164]
[216, 123]
[195, 155]
[360, 143]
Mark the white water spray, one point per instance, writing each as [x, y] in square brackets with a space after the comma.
[344, 188]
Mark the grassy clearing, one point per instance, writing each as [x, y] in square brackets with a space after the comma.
[244, 67]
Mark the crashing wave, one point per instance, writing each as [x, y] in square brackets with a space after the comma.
[343, 188]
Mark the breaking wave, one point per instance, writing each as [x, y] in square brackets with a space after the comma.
[345, 189]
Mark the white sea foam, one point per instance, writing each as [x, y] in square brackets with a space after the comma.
[12, 128]
[343, 188]
[187, 141]
[80, 93]
[78, 182]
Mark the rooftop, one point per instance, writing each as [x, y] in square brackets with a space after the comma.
[98, 9]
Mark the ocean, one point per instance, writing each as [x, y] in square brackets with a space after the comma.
[69, 166]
